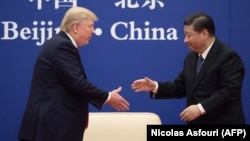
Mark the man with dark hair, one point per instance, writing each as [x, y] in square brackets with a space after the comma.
[211, 79]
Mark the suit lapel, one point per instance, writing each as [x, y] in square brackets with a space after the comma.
[211, 57]
[80, 61]
[63, 34]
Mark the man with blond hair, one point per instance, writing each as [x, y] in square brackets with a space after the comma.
[57, 107]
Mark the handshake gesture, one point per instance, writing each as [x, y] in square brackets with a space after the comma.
[145, 84]
[117, 101]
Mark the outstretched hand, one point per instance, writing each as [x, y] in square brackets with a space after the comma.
[145, 84]
[117, 101]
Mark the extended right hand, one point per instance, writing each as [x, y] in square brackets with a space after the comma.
[145, 84]
[117, 101]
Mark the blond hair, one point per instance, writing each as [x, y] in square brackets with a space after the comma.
[76, 15]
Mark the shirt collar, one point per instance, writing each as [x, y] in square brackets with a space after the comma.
[204, 54]
[71, 38]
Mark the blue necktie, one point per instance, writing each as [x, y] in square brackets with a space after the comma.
[199, 64]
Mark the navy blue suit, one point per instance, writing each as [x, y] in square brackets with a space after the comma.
[57, 107]
[217, 86]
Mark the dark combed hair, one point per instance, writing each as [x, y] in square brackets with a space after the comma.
[200, 21]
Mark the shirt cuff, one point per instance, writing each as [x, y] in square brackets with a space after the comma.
[156, 87]
[108, 98]
[202, 110]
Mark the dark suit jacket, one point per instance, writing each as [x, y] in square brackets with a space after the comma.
[57, 107]
[217, 86]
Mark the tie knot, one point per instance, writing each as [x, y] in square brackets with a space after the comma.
[200, 58]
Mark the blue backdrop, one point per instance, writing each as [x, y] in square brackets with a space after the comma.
[124, 48]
